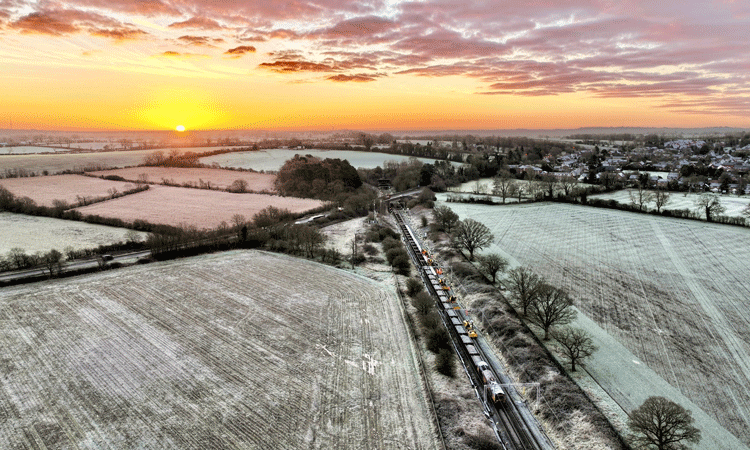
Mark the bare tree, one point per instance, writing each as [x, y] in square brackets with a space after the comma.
[239, 186]
[640, 196]
[516, 190]
[746, 211]
[53, 261]
[445, 218]
[523, 284]
[662, 424]
[660, 199]
[577, 344]
[548, 184]
[568, 184]
[502, 184]
[550, 306]
[492, 264]
[710, 205]
[472, 235]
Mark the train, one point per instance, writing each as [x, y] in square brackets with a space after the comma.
[439, 286]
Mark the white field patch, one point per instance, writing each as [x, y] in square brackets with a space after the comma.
[235, 350]
[215, 178]
[68, 188]
[673, 292]
[41, 234]
[199, 207]
[683, 200]
[273, 159]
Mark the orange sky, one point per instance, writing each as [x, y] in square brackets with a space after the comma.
[127, 64]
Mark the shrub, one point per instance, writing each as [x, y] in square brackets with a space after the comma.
[437, 338]
[444, 362]
[423, 303]
[414, 286]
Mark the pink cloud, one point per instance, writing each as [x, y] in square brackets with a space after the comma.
[239, 51]
[202, 23]
[358, 78]
[68, 21]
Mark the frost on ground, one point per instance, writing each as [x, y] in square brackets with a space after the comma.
[460, 413]
[41, 234]
[68, 188]
[242, 349]
[683, 200]
[673, 292]
[194, 176]
[198, 207]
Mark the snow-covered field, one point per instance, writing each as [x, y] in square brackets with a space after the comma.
[218, 178]
[682, 200]
[674, 292]
[273, 159]
[200, 207]
[42, 234]
[243, 349]
[68, 188]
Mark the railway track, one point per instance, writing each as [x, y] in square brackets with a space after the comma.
[513, 423]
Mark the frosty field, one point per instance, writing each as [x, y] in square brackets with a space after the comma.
[44, 190]
[674, 292]
[273, 159]
[218, 178]
[681, 200]
[204, 353]
[41, 234]
[200, 207]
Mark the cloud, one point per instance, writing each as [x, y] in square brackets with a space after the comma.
[141, 7]
[178, 55]
[239, 51]
[202, 23]
[358, 78]
[67, 21]
[296, 66]
[204, 41]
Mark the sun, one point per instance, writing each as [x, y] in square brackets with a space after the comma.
[180, 128]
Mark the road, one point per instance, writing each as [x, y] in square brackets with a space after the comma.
[18, 276]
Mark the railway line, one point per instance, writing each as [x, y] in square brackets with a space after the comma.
[513, 423]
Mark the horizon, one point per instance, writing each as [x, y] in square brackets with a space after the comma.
[322, 65]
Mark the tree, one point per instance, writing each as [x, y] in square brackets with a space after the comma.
[517, 190]
[492, 264]
[710, 204]
[53, 261]
[662, 424]
[472, 235]
[239, 224]
[523, 284]
[568, 183]
[746, 211]
[550, 306]
[577, 344]
[640, 196]
[660, 199]
[445, 218]
[239, 185]
[502, 184]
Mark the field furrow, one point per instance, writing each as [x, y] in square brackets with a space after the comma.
[239, 350]
[674, 292]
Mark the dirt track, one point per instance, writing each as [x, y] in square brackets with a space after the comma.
[205, 353]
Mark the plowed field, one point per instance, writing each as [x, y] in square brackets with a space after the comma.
[206, 353]
[69, 188]
[673, 292]
[218, 178]
[200, 207]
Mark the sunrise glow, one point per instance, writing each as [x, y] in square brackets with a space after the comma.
[326, 64]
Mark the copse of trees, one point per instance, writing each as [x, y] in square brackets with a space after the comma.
[311, 177]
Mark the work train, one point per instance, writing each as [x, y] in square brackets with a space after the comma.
[457, 318]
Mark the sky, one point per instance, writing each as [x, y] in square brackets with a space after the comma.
[373, 65]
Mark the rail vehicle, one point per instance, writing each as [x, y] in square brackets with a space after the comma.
[439, 286]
